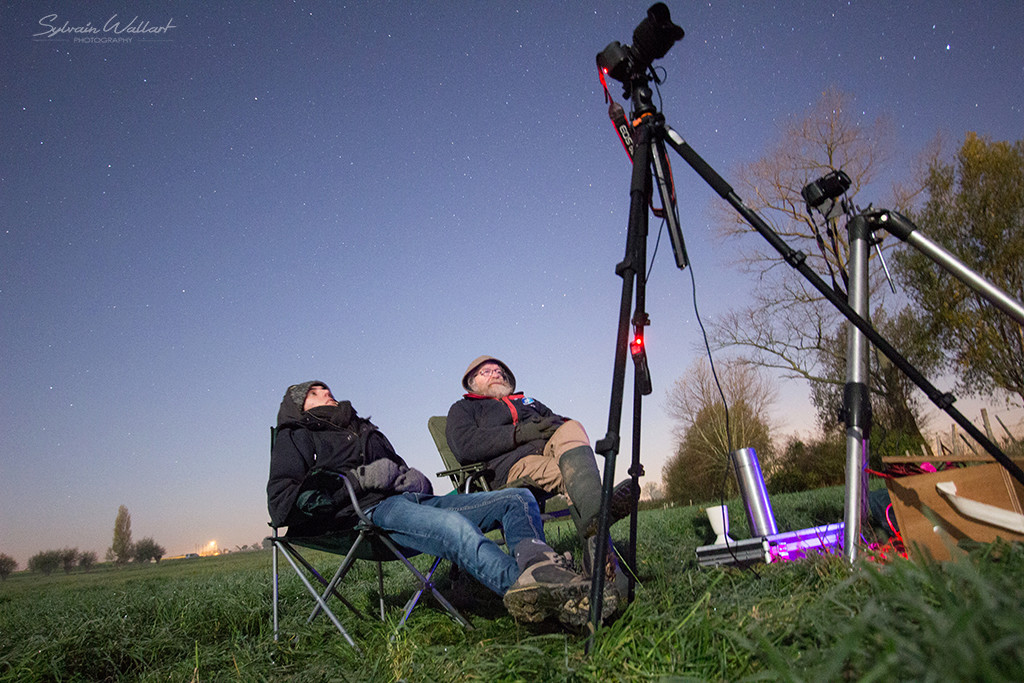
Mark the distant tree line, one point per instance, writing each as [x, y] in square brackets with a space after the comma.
[68, 559]
[121, 551]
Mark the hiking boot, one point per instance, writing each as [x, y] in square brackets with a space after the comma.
[575, 612]
[547, 589]
[624, 495]
[615, 580]
[564, 561]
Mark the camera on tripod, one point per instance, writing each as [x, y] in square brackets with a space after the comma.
[823, 192]
[652, 39]
[825, 188]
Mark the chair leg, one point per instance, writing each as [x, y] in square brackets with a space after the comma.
[416, 596]
[380, 588]
[425, 583]
[331, 586]
[319, 599]
[289, 550]
[275, 589]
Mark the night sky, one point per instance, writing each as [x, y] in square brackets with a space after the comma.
[372, 194]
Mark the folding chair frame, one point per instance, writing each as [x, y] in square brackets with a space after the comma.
[472, 477]
[370, 542]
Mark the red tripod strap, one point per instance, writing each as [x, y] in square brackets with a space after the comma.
[617, 114]
[624, 129]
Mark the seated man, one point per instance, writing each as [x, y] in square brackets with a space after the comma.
[318, 436]
[518, 436]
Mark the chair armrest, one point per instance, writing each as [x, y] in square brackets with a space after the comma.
[465, 469]
[465, 476]
[355, 502]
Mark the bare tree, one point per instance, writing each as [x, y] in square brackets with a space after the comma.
[653, 490]
[789, 326]
[826, 138]
[699, 388]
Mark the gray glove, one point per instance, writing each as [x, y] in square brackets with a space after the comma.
[377, 476]
[411, 479]
[534, 430]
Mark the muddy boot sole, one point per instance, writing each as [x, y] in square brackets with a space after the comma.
[575, 613]
[537, 602]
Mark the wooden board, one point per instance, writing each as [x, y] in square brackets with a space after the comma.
[914, 495]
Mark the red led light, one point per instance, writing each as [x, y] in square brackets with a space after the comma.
[637, 345]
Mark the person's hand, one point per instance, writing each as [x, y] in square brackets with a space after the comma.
[550, 424]
[535, 430]
[411, 479]
[379, 475]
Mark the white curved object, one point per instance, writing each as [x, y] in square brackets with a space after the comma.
[983, 512]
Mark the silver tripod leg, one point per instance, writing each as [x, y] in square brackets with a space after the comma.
[856, 397]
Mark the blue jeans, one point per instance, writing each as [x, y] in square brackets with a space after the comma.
[453, 527]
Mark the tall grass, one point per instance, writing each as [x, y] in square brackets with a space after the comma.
[815, 620]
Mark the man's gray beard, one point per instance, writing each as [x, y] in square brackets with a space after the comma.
[495, 390]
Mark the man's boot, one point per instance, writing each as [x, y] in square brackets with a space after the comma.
[548, 587]
[583, 485]
[615, 580]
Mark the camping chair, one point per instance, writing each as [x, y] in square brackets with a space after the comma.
[473, 477]
[363, 541]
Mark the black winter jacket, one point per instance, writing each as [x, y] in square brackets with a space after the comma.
[482, 429]
[329, 438]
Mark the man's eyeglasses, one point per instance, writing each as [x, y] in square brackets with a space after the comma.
[487, 372]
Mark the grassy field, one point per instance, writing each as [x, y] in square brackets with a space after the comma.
[208, 619]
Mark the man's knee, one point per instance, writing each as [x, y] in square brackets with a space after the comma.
[542, 470]
[573, 429]
[517, 501]
[567, 437]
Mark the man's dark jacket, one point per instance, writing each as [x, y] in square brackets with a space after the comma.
[483, 429]
[302, 492]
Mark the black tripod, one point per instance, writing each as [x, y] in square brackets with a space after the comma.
[649, 159]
